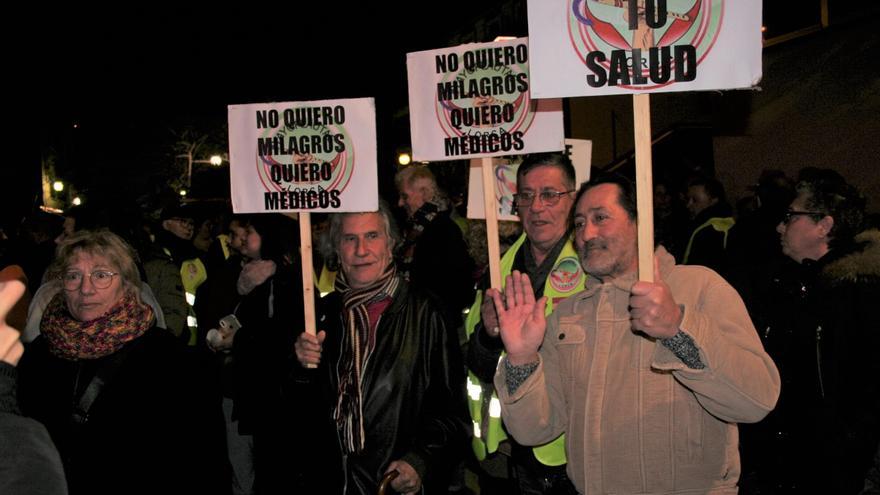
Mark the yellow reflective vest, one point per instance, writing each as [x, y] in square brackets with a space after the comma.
[720, 224]
[565, 279]
[193, 274]
[325, 282]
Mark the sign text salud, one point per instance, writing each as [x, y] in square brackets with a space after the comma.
[604, 47]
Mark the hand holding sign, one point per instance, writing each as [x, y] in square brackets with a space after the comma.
[308, 348]
[653, 309]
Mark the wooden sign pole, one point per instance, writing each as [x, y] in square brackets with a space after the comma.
[308, 283]
[644, 185]
[491, 207]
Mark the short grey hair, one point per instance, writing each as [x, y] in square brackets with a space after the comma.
[410, 175]
[557, 160]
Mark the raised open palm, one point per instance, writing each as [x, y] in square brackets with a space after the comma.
[520, 317]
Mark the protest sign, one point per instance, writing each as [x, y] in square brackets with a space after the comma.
[303, 156]
[589, 47]
[474, 101]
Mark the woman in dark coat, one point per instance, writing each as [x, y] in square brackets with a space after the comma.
[125, 406]
[269, 309]
[817, 317]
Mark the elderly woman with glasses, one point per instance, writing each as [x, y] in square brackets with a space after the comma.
[122, 400]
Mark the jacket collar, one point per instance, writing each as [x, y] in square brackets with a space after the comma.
[399, 297]
[625, 283]
[859, 263]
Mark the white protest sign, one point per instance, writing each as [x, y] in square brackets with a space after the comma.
[588, 47]
[579, 151]
[473, 101]
[303, 156]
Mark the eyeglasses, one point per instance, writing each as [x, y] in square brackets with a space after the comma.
[788, 216]
[548, 198]
[101, 279]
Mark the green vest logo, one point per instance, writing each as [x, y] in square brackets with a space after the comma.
[565, 274]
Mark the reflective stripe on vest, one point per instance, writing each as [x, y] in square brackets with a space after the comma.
[192, 274]
[326, 281]
[565, 279]
[224, 245]
[720, 224]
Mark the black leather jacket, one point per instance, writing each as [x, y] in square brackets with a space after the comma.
[414, 404]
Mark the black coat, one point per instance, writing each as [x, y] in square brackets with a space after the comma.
[156, 427]
[29, 462]
[442, 266]
[271, 315]
[414, 405]
[217, 296]
[819, 322]
[708, 246]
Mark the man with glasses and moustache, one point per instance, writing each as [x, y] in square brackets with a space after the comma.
[545, 192]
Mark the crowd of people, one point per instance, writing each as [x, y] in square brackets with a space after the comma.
[170, 356]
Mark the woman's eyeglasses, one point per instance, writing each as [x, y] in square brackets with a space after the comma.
[788, 216]
[100, 279]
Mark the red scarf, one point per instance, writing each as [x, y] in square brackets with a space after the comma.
[73, 340]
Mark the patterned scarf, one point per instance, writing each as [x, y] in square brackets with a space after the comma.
[415, 226]
[73, 340]
[358, 342]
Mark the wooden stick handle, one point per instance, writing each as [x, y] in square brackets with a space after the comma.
[644, 185]
[491, 206]
[308, 283]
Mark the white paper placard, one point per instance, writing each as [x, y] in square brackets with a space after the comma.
[315, 156]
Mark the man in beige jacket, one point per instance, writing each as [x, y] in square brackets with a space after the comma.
[647, 380]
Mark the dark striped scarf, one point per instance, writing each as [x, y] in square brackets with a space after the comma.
[358, 342]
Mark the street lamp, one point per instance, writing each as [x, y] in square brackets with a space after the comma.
[215, 160]
[58, 186]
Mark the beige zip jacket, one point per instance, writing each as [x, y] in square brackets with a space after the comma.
[636, 418]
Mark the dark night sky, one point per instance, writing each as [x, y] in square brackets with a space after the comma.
[191, 62]
[126, 76]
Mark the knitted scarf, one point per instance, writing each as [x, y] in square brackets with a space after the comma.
[358, 342]
[73, 340]
[415, 226]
